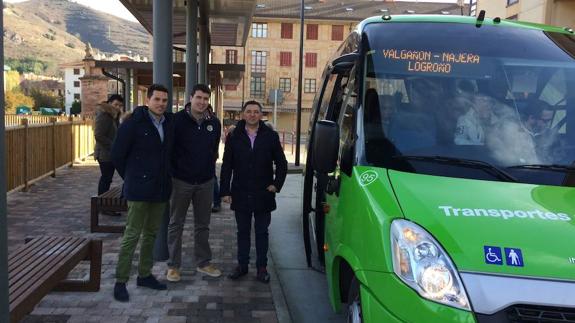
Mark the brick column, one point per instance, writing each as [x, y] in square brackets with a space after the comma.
[94, 86]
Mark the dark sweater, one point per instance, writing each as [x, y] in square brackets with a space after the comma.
[195, 147]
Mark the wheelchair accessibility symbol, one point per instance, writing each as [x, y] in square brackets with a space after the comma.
[367, 177]
[492, 255]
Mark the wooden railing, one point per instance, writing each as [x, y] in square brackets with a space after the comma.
[15, 119]
[34, 151]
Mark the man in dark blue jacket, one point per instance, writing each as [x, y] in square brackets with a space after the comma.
[197, 136]
[141, 154]
[251, 151]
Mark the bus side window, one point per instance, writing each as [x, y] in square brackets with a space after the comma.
[346, 123]
[336, 99]
[327, 97]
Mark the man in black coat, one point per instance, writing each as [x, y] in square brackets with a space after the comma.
[197, 138]
[141, 154]
[251, 151]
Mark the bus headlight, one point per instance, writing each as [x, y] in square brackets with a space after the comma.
[420, 262]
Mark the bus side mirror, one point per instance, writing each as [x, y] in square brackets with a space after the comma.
[344, 64]
[325, 146]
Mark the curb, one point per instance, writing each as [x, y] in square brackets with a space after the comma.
[280, 304]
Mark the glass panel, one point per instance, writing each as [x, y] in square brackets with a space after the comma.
[494, 94]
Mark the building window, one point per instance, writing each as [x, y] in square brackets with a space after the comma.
[287, 30]
[312, 31]
[511, 2]
[259, 61]
[259, 30]
[309, 86]
[231, 87]
[285, 58]
[310, 59]
[231, 56]
[77, 96]
[179, 56]
[76, 83]
[285, 85]
[76, 71]
[257, 86]
[337, 32]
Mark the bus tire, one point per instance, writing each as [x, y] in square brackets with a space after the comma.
[354, 314]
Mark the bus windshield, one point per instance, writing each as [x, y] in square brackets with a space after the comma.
[503, 96]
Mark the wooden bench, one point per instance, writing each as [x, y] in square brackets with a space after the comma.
[110, 201]
[43, 264]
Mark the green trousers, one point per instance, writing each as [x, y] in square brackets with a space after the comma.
[144, 218]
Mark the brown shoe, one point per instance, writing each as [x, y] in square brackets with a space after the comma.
[173, 275]
[210, 270]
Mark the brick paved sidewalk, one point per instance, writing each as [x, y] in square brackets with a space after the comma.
[61, 206]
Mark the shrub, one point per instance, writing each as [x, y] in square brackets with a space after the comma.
[76, 107]
[12, 80]
[15, 98]
[45, 100]
[26, 65]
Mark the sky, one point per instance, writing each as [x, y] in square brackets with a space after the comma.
[115, 8]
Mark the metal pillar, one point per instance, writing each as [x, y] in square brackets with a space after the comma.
[4, 303]
[128, 91]
[163, 71]
[202, 73]
[191, 47]
[163, 67]
[299, 86]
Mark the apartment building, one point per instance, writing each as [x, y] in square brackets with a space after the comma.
[552, 12]
[72, 90]
[271, 54]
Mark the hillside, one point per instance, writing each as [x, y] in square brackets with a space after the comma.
[56, 30]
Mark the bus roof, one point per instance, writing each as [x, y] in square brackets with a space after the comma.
[459, 20]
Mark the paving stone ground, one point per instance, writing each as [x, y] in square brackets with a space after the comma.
[61, 206]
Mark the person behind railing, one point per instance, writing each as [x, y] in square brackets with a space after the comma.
[217, 200]
[105, 127]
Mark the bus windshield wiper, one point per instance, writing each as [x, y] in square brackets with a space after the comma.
[494, 170]
[552, 167]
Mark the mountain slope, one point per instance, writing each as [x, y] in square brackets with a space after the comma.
[56, 30]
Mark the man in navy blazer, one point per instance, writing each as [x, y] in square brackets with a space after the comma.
[141, 153]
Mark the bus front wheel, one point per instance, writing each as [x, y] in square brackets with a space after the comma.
[354, 314]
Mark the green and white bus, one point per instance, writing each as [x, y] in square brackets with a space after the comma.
[439, 183]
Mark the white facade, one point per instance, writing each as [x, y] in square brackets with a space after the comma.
[72, 85]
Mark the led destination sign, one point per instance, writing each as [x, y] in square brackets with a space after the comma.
[427, 61]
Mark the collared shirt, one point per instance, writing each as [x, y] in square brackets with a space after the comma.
[252, 136]
[159, 124]
[207, 115]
